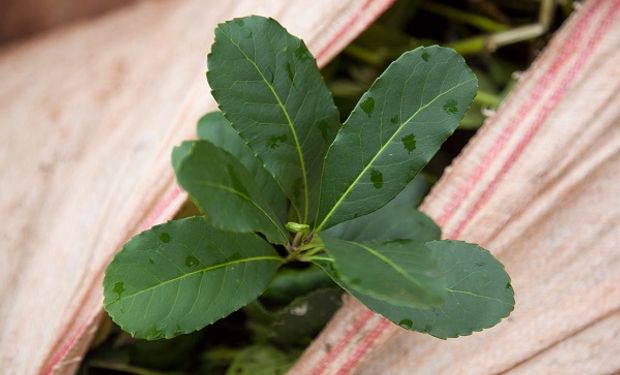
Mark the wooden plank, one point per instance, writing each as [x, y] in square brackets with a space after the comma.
[88, 116]
[539, 187]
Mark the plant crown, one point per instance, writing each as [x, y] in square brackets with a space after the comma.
[280, 180]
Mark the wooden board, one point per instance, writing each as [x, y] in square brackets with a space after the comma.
[539, 186]
[88, 116]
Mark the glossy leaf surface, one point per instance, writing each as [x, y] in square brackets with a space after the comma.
[394, 130]
[183, 275]
[225, 190]
[268, 85]
[403, 273]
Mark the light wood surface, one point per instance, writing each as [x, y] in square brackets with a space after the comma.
[540, 187]
[89, 114]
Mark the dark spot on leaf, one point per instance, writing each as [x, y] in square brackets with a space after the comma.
[394, 120]
[273, 141]
[191, 261]
[324, 127]
[165, 238]
[508, 286]
[409, 142]
[248, 35]
[355, 281]
[377, 179]
[302, 52]
[425, 56]
[479, 264]
[119, 288]
[151, 261]
[451, 106]
[368, 105]
[406, 323]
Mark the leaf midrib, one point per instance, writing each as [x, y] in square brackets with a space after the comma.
[289, 121]
[202, 270]
[389, 262]
[379, 152]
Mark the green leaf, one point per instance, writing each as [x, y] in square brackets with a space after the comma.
[403, 273]
[183, 275]
[388, 224]
[261, 360]
[215, 128]
[399, 221]
[394, 130]
[300, 321]
[225, 190]
[479, 294]
[268, 85]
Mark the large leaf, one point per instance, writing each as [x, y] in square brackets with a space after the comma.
[183, 275]
[479, 294]
[215, 128]
[269, 87]
[225, 190]
[399, 221]
[403, 273]
[397, 126]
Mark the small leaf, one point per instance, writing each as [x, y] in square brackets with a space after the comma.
[479, 294]
[395, 129]
[300, 321]
[215, 128]
[183, 275]
[401, 273]
[225, 190]
[268, 85]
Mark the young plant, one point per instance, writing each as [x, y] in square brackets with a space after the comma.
[280, 180]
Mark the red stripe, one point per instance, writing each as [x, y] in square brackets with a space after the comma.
[352, 21]
[361, 320]
[548, 108]
[363, 347]
[66, 346]
[380, 327]
[500, 143]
